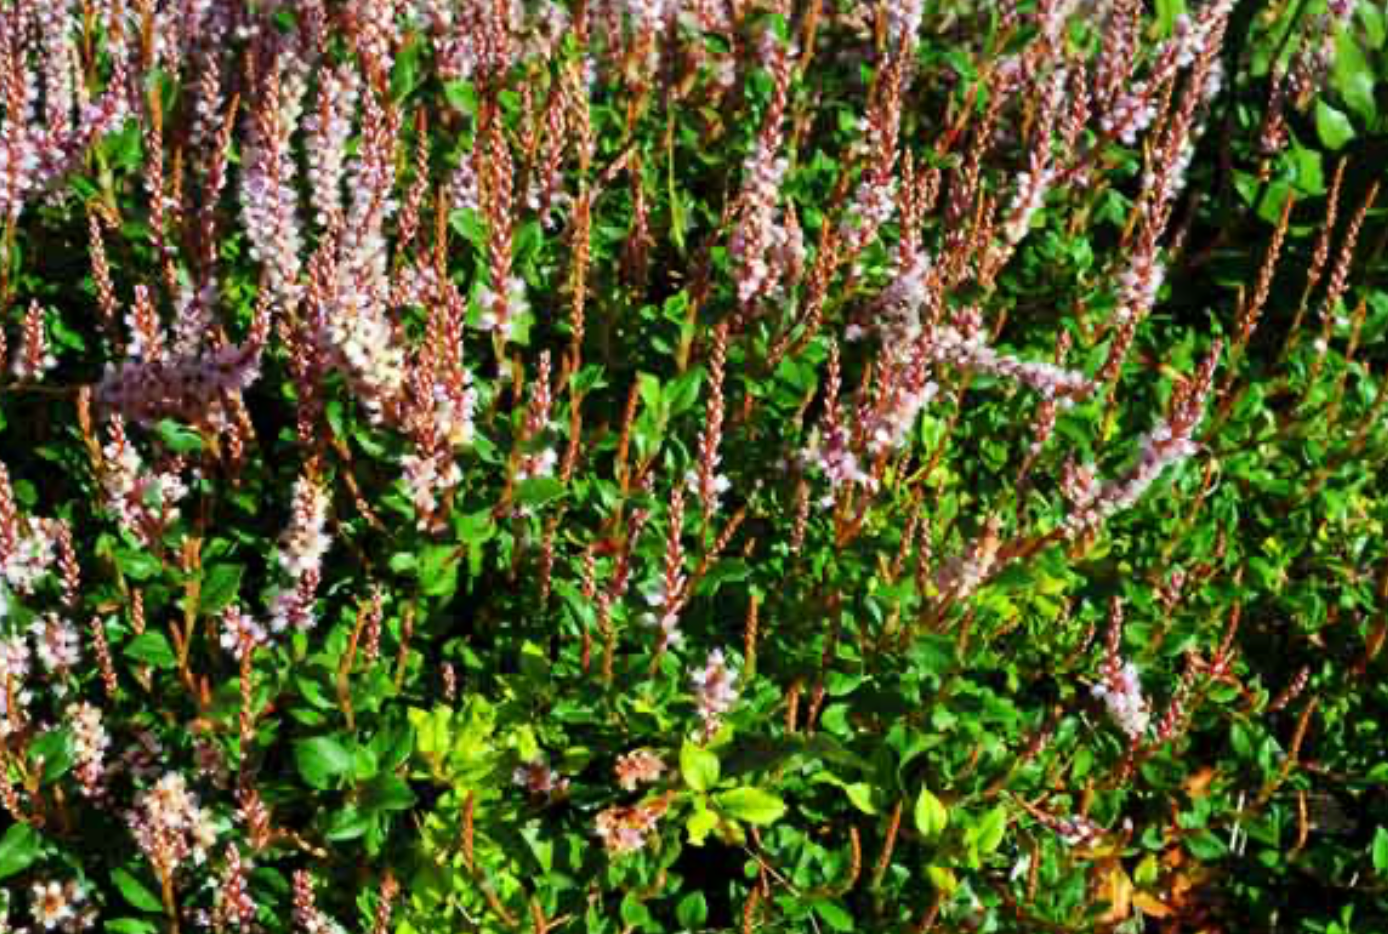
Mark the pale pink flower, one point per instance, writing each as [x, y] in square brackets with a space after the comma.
[241, 634]
[714, 691]
[90, 741]
[59, 643]
[640, 766]
[14, 672]
[170, 826]
[628, 829]
[1121, 693]
[539, 780]
[302, 548]
[60, 907]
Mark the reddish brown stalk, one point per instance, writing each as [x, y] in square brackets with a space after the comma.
[1293, 753]
[749, 640]
[578, 277]
[403, 653]
[622, 471]
[1248, 313]
[1292, 691]
[246, 718]
[713, 425]
[469, 804]
[817, 290]
[547, 555]
[793, 705]
[609, 638]
[750, 911]
[414, 198]
[884, 860]
[1319, 258]
[1339, 281]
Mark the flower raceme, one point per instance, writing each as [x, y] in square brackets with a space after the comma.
[302, 546]
[170, 826]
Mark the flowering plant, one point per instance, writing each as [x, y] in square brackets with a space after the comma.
[638, 465]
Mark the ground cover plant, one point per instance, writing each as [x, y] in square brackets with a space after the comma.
[655, 466]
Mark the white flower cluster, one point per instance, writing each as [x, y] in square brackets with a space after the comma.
[1138, 285]
[1121, 693]
[169, 825]
[241, 634]
[908, 390]
[1092, 503]
[638, 767]
[143, 500]
[714, 690]
[664, 614]
[300, 556]
[269, 199]
[904, 22]
[14, 671]
[628, 829]
[971, 352]
[830, 452]
[59, 644]
[56, 906]
[328, 128]
[32, 553]
[539, 780]
[90, 742]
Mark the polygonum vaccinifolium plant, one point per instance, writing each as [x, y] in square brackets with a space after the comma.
[693, 465]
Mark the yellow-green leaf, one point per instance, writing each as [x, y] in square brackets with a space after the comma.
[751, 805]
[932, 817]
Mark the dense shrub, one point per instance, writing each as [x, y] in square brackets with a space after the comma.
[655, 466]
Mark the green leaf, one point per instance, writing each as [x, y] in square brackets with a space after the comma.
[698, 766]
[474, 527]
[347, 824]
[942, 879]
[387, 793]
[392, 745]
[834, 915]
[1380, 850]
[56, 750]
[438, 570]
[634, 913]
[1332, 126]
[130, 926]
[432, 735]
[860, 793]
[991, 829]
[462, 95]
[406, 76]
[152, 648]
[18, 849]
[932, 817]
[681, 394]
[692, 911]
[137, 564]
[123, 147]
[1206, 846]
[1167, 13]
[651, 395]
[220, 587]
[135, 892]
[700, 824]
[179, 439]
[1353, 77]
[322, 760]
[537, 491]
[752, 805]
[1375, 27]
